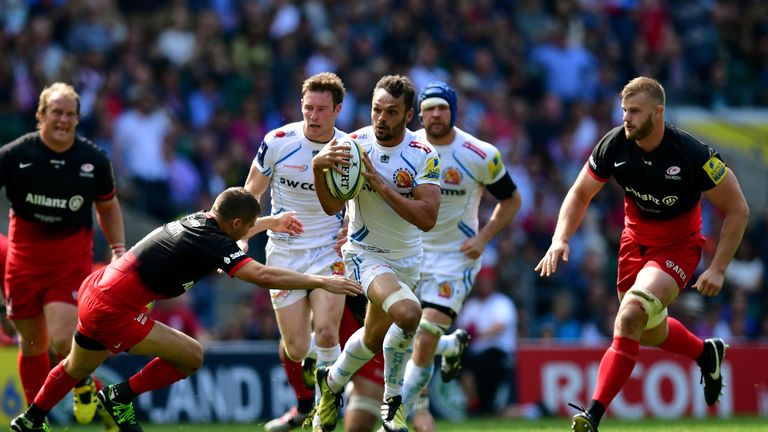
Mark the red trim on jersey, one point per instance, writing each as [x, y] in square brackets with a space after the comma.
[474, 148]
[238, 266]
[651, 232]
[594, 175]
[107, 196]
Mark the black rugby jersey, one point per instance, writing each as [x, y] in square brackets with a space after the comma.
[662, 185]
[56, 190]
[173, 257]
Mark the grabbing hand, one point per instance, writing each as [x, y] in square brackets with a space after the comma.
[341, 285]
[370, 174]
[331, 156]
[287, 222]
[548, 264]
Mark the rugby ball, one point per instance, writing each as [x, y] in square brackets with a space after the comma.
[346, 184]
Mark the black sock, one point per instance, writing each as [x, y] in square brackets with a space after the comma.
[36, 414]
[306, 405]
[123, 393]
[85, 381]
[705, 359]
[596, 410]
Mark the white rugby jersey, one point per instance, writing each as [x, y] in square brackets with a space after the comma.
[466, 165]
[286, 155]
[373, 224]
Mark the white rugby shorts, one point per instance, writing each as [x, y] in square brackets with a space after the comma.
[446, 279]
[322, 261]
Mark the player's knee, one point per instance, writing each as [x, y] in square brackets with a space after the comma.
[295, 350]
[193, 360]
[404, 308]
[640, 310]
[326, 336]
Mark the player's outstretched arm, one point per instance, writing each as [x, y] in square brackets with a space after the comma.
[571, 214]
[728, 197]
[283, 279]
[329, 158]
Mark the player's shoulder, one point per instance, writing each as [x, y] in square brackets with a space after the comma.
[613, 137]
[683, 138]
[473, 147]
[87, 148]
[364, 135]
[420, 146]
[284, 135]
[20, 143]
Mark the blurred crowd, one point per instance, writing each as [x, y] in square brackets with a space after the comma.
[181, 92]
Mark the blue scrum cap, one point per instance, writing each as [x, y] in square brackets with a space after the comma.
[436, 92]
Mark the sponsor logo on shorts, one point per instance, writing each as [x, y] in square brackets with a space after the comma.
[141, 318]
[277, 295]
[337, 268]
[301, 168]
[445, 290]
[676, 268]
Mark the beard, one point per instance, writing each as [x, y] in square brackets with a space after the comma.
[438, 130]
[641, 131]
[391, 132]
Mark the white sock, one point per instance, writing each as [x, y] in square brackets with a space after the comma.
[312, 353]
[416, 379]
[354, 356]
[326, 356]
[448, 345]
[398, 347]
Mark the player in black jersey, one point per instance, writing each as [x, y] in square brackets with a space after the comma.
[164, 264]
[663, 171]
[53, 180]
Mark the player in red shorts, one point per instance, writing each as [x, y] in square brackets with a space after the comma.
[165, 264]
[7, 332]
[663, 171]
[53, 179]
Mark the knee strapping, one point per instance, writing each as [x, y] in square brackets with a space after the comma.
[436, 329]
[364, 403]
[651, 304]
[404, 293]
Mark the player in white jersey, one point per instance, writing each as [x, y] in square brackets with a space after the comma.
[284, 161]
[453, 247]
[383, 251]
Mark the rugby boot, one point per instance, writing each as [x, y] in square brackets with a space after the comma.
[393, 415]
[450, 366]
[22, 423]
[84, 401]
[308, 372]
[123, 414]
[328, 407]
[582, 421]
[711, 377]
[292, 419]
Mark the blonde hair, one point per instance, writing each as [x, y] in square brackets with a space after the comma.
[648, 86]
[325, 81]
[61, 88]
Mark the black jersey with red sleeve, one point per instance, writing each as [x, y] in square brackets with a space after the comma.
[173, 257]
[662, 187]
[55, 190]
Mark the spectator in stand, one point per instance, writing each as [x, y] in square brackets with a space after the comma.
[490, 318]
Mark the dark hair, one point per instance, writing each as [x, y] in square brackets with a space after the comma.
[236, 202]
[325, 81]
[398, 85]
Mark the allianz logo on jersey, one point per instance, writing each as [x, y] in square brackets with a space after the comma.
[74, 203]
[297, 184]
[668, 200]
